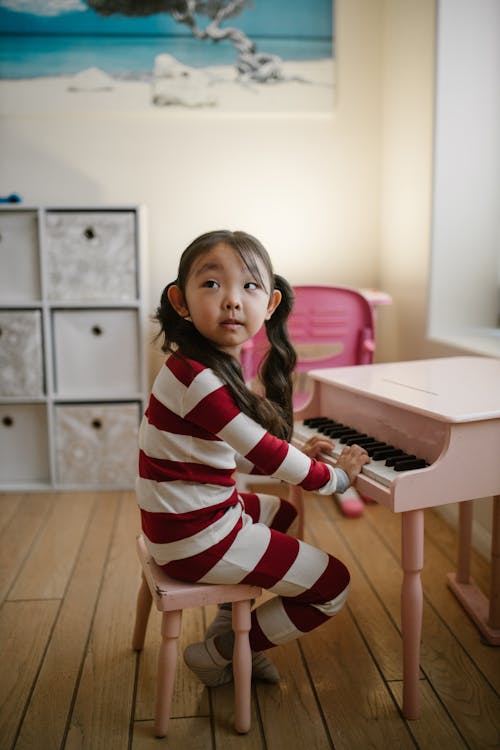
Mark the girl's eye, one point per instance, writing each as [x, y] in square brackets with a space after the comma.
[251, 285]
[211, 284]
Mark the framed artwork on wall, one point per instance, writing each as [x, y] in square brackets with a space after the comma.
[258, 56]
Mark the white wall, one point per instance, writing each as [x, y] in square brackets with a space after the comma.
[407, 94]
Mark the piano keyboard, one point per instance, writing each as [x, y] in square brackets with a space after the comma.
[387, 461]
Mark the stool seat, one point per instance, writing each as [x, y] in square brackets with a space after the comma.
[171, 596]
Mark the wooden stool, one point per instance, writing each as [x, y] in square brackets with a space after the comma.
[171, 597]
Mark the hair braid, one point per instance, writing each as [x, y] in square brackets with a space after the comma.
[278, 365]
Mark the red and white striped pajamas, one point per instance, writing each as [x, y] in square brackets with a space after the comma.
[200, 528]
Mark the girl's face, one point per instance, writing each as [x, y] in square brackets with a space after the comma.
[224, 300]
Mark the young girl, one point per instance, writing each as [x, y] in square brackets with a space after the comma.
[203, 423]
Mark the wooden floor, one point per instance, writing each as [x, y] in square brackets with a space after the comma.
[69, 679]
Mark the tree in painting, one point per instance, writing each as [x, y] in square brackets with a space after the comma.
[251, 64]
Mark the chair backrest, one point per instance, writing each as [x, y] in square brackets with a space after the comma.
[330, 326]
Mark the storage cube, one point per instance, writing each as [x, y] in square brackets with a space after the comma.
[96, 352]
[24, 453]
[19, 261]
[21, 365]
[91, 256]
[70, 338]
[96, 444]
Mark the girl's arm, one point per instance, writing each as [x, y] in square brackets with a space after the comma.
[210, 405]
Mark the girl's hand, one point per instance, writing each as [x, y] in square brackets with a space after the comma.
[317, 444]
[352, 458]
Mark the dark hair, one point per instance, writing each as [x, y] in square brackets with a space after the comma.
[273, 410]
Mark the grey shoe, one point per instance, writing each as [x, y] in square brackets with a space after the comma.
[262, 667]
[207, 664]
[222, 623]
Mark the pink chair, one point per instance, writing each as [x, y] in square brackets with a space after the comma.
[330, 326]
[171, 597]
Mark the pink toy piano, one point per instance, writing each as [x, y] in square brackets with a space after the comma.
[432, 428]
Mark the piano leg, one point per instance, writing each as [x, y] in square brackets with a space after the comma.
[485, 613]
[412, 560]
[464, 541]
[494, 617]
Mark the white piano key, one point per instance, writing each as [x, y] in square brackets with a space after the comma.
[380, 472]
[376, 470]
[302, 432]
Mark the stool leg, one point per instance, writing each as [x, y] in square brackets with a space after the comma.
[167, 665]
[143, 609]
[296, 498]
[242, 667]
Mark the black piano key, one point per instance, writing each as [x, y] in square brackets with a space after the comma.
[351, 439]
[326, 426]
[388, 452]
[316, 421]
[371, 448]
[349, 435]
[337, 431]
[358, 439]
[410, 463]
[370, 445]
[363, 441]
[394, 459]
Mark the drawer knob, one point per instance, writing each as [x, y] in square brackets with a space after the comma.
[96, 424]
[89, 233]
[7, 421]
[97, 330]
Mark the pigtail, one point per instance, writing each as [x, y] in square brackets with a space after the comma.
[168, 319]
[279, 363]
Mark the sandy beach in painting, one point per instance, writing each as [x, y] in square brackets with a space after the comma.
[310, 88]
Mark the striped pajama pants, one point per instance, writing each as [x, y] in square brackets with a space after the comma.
[310, 585]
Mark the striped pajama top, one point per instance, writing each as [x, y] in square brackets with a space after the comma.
[192, 439]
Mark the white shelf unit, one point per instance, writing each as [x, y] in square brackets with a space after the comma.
[72, 346]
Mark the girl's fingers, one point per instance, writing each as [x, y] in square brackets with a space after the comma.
[355, 450]
[317, 444]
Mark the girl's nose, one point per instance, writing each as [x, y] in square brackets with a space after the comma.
[232, 301]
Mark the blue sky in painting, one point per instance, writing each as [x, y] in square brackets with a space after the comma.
[277, 18]
[65, 36]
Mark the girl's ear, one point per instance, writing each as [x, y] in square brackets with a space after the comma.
[176, 299]
[273, 303]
